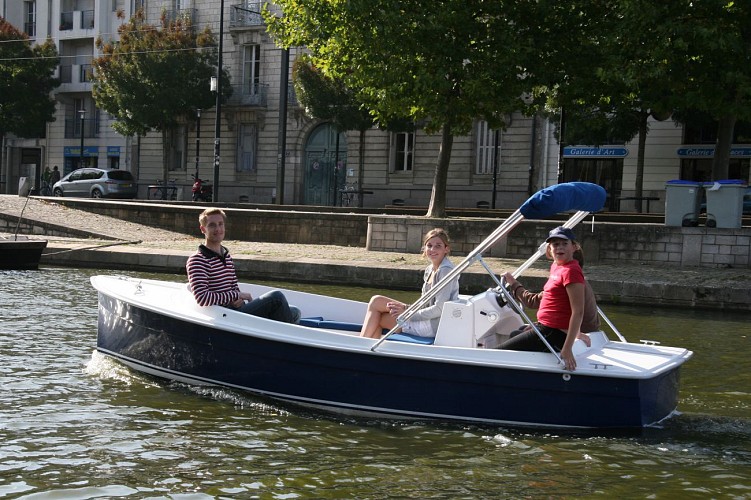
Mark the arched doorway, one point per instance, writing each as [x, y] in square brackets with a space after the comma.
[325, 165]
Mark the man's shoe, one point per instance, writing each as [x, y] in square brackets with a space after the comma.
[296, 314]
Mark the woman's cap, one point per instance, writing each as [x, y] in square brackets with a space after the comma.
[562, 233]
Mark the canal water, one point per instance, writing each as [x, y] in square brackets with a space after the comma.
[75, 424]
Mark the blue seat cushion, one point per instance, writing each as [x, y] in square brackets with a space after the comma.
[319, 322]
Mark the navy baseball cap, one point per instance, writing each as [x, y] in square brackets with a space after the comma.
[562, 233]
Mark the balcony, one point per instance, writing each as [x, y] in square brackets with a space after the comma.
[254, 95]
[173, 15]
[246, 14]
[75, 78]
[73, 128]
[77, 20]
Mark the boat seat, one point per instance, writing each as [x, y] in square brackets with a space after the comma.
[319, 322]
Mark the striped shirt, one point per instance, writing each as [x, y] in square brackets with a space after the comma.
[212, 277]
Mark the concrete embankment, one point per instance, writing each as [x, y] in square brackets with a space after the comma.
[83, 239]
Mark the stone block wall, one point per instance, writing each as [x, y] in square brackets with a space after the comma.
[603, 242]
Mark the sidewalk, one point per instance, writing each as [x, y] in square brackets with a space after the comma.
[116, 244]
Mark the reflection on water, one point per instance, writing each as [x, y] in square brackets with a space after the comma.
[76, 424]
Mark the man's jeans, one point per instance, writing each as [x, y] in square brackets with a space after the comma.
[271, 305]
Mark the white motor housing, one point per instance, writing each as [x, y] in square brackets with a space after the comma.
[464, 323]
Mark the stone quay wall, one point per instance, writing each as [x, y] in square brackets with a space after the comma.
[603, 242]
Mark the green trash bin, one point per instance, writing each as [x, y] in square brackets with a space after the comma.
[682, 200]
[725, 203]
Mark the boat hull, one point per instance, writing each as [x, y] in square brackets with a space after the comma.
[21, 254]
[389, 382]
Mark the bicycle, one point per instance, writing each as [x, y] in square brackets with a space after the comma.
[46, 189]
[161, 192]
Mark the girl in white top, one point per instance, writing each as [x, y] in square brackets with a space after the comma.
[383, 311]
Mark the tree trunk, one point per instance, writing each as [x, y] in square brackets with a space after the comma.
[165, 161]
[437, 206]
[361, 168]
[639, 181]
[721, 160]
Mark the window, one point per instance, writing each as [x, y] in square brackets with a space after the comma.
[486, 148]
[251, 69]
[246, 148]
[30, 18]
[402, 147]
[178, 160]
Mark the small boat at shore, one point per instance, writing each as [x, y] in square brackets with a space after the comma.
[156, 327]
[20, 252]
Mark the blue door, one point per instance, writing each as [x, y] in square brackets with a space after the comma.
[325, 165]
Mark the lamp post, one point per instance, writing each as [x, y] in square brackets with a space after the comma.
[198, 137]
[218, 88]
[82, 112]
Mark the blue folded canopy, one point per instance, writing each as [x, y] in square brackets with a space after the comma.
[583, 196]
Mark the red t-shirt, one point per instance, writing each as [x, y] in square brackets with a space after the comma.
[555, 308]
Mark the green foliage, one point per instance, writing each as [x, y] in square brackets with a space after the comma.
[154, 76]
[327, 99]
[26, 82]
[441, 63]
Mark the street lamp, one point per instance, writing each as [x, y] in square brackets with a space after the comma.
[198, 137]
[82, 112]
[216, 84]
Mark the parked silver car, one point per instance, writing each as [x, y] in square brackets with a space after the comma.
[97, 183]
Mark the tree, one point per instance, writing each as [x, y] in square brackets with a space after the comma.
[607, 73]
[26, 83]
[154, 77]
[326, 99]
[710, 47]
[441, 63]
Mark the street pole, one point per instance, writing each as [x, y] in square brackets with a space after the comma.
[218, 126]
[496, 150]
[83, 122]
[282, 138]
[198, 137]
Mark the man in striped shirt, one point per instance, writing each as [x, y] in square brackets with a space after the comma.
[213, 280]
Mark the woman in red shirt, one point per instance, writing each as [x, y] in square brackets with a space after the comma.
[559, 317]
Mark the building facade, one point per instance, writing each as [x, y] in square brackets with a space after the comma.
[270, 151]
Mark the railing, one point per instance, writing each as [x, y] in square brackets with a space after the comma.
[292, 96]
[66, 74]
[177, 14]
[85, 72]
[254, 94]
[246, 14]
[73, 127]
[87, 19]
[66, 21]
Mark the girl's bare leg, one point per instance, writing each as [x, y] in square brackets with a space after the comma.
[377, 317]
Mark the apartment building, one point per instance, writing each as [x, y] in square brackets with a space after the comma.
[270, 151]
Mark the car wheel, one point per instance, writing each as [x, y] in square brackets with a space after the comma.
[96, 193]
[58, 192]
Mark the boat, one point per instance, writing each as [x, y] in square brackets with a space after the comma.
[20, 252]
[156, 327]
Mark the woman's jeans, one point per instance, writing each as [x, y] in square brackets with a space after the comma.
[271, 305]
[529, 340]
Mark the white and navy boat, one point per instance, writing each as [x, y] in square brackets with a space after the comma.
[156, 327]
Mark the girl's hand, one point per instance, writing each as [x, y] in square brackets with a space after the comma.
[396, 308]
[567, 356]
[584, 338]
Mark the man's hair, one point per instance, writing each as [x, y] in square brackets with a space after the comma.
[210, 211]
